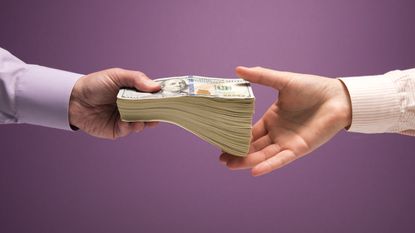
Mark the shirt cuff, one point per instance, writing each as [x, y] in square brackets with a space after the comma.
[42, 96]
[375, 103]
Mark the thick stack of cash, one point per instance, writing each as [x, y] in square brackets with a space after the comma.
[217, 110]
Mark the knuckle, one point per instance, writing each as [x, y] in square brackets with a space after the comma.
[141, 74]
[116, 70]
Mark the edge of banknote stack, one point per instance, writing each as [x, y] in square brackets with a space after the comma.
[217, 110]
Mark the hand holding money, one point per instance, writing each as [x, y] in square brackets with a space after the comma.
[93, 109]
[217, 110]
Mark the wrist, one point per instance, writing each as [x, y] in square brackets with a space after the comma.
[345, 113]
[75, 106]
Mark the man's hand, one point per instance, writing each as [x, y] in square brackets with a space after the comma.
[308, 112]
[93, 108]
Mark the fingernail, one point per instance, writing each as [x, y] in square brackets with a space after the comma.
[152, 83]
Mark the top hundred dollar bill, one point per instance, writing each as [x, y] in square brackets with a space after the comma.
[194, 86]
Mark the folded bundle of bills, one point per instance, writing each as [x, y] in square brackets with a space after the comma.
[217, 110]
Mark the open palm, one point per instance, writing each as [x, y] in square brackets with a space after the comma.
[308, 112]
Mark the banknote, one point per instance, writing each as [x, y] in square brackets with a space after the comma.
[217, 110]
[194, 86]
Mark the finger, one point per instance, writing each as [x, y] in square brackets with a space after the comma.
[253, 159]
[260, 144]
[136, 126]
[151, 124]
[224, 157]
[277, 161]
[125, 128]
[122, 129]
[263, 76]
[258, 130]
[135, 79]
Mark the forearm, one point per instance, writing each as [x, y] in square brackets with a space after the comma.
[34, 94]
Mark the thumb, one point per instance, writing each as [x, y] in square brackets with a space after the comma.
[136, 79]
[264, 76]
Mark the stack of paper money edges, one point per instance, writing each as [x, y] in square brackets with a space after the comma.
[217, 110]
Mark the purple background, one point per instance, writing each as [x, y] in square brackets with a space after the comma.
[167, 180]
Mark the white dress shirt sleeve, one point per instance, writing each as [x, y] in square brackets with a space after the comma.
[383, 103]
[34, 94]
